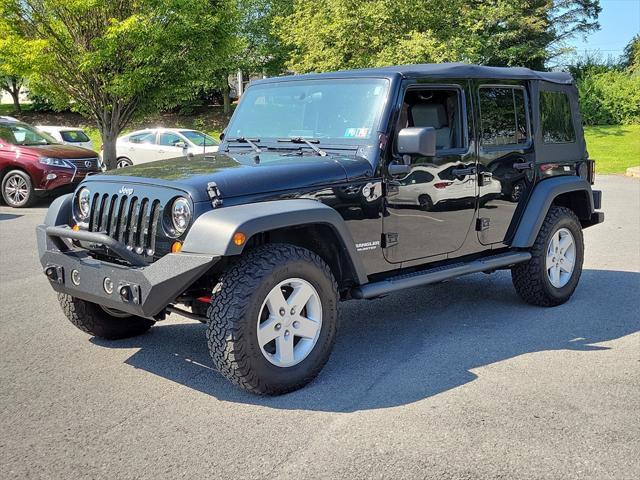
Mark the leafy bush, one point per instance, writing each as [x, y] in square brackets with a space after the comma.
[610, 97]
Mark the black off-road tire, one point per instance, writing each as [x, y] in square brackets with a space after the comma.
[530, 279]
[92, 319]
[235, 309]
[30, 197]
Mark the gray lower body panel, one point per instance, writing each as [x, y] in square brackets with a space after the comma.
[150, 288]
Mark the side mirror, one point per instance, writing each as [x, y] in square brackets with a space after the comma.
[417, 141]
[222, 134]
[180, 145]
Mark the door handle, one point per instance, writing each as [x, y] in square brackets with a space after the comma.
[463, 172]
[523, 166]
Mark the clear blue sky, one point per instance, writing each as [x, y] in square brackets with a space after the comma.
[619, 22]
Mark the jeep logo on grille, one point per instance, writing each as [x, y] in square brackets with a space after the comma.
[125, 190]
[88, 163]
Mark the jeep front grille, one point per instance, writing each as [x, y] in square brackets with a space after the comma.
[131, 220]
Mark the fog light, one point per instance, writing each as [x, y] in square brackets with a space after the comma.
[108, 285]
[52, 176]
[75, 277]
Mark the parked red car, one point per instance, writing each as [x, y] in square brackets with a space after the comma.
[32, 163]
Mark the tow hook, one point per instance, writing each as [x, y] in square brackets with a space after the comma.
[129, 293]
[54, 273]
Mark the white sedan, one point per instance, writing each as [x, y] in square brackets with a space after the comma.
[67, 135]
[153, 144]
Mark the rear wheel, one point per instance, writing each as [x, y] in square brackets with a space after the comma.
[17, 189]
[552, 274]
[101, 321]
[123, 162]
[273, 319]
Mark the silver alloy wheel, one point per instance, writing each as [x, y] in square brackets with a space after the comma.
[561, 258]
[16, 189]
[123, 163]
[289, 322]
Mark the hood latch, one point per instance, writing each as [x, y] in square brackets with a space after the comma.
[214, 194]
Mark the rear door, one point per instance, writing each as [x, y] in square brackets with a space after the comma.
[140, 147]
[430, 209]
[505, 156]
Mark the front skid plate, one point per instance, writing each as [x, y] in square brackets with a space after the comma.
[159, 283]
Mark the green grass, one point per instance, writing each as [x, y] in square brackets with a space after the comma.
[614, 147]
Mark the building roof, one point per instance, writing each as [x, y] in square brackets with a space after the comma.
[441, 70]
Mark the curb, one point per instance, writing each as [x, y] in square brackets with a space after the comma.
[633, 172]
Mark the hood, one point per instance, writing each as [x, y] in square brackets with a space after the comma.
[239, 174]
[59, 151]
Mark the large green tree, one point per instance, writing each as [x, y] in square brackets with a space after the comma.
[336, 34]
[118, 58]
[18, 58]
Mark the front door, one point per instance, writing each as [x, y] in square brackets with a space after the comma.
[429, 209]
[505, 163]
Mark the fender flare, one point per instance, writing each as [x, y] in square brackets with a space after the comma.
[59, 212]
[543, 195]
[212, 233]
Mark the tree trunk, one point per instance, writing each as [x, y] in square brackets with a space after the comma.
[13, 87]
[226, 101]
[109, 154]
[16, 100]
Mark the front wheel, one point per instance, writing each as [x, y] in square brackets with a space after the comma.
[101, 321]
[552, 274]
[273, 319]
[17, 189]
[123, 162]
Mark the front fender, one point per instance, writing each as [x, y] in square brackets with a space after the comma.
[212, 233]
[544, 193]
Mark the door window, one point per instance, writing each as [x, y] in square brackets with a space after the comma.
[503, 116]
[169, 139]
[146, 138]
[555, 118]
[440, 108]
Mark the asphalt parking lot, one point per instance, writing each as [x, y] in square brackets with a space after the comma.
[458, 380]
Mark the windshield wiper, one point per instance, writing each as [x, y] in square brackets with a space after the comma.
[250, 141]
[309, 142]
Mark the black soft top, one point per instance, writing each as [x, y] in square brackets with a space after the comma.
[442, 70]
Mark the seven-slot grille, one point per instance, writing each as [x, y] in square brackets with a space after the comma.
[84, 163]
[131, 220]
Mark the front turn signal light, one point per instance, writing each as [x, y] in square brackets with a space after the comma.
[76, 228]
[176, 247]
[239, 238]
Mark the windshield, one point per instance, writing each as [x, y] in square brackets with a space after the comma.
[332, 110]
[23, 134]
[199, 138]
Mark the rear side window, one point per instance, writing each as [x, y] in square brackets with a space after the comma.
[74, 136]
[555, 118]
[147, 137]
[503, 116]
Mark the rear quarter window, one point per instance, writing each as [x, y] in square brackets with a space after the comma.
[74, 136]
[555, 118]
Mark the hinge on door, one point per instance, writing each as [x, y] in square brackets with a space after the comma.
[482, 223]
[389, 239]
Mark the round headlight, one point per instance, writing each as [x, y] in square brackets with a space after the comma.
[84, 205]
[180, 214]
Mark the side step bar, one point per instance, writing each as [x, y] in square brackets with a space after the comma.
[439, 274]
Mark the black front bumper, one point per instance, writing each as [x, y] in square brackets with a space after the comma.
[139, 290]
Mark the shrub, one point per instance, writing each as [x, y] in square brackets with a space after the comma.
[610, 97]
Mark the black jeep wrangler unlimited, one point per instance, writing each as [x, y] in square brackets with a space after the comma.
[329, 187]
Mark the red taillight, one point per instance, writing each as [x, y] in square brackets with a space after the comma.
[441, 185]
[545, 167]
[204, 299]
